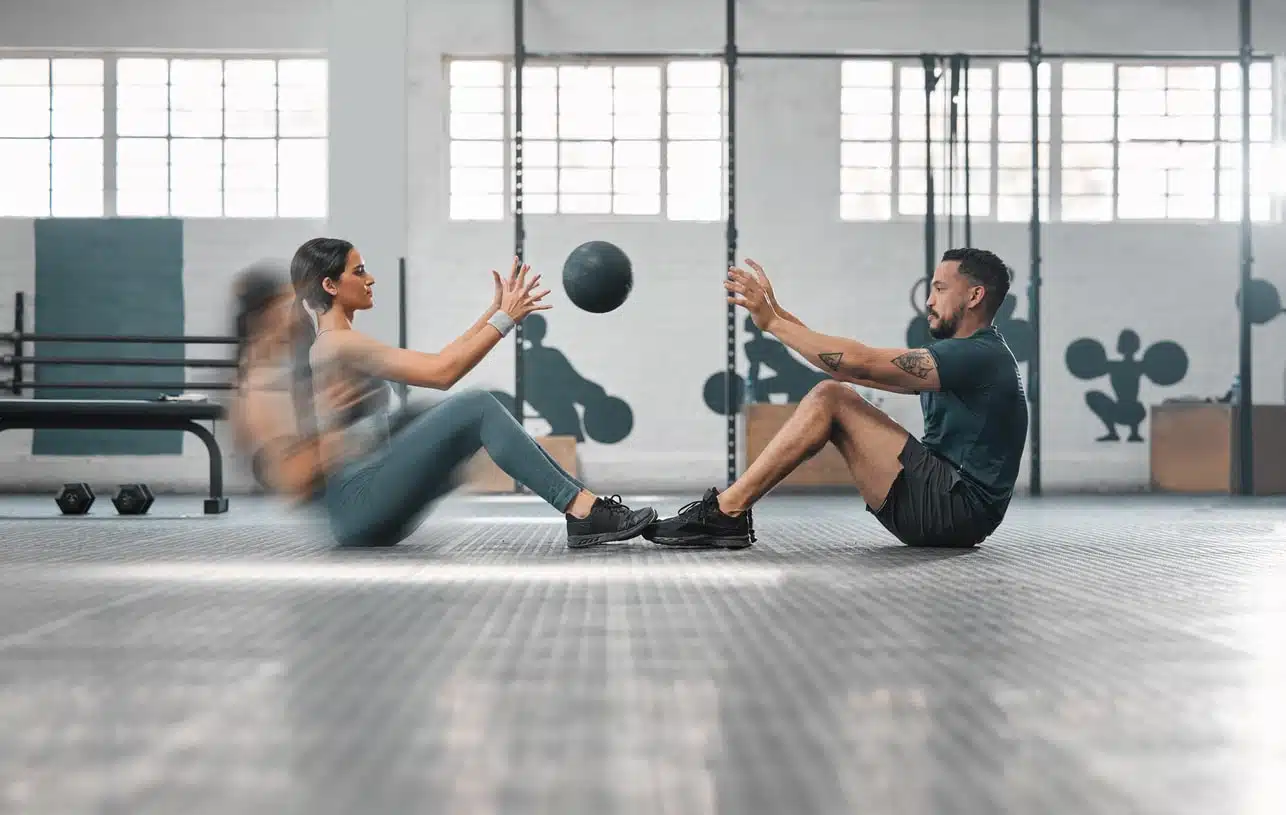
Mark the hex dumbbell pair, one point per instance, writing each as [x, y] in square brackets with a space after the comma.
[130, 499]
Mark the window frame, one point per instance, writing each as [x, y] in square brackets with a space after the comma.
[110, 137]
[507, 141]
[1052, 193]
[106, 136]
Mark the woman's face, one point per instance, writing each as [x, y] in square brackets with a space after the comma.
[352, 292]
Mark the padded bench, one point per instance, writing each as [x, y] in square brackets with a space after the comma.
[124, 414]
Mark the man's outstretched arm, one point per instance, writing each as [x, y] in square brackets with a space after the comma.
[898, 370]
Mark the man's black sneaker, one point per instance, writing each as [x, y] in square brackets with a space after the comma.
[701, 524]
[609, 520]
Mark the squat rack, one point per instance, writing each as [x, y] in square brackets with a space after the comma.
[1034, 56]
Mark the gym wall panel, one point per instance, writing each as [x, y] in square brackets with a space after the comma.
[113, 276]
[368, 143]
[165, 24]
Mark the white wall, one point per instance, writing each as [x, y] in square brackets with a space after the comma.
[368, 176]
[389, 167]
[164, 24]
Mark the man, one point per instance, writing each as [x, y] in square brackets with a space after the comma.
[950, 488]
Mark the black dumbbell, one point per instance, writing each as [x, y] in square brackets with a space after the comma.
[75, 499]
[133, 499]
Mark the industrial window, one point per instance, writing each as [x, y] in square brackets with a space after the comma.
[633, 139]
[694, 166]
[1013, 141]
[912, 161]
[215, 137]
[1155, 142]
[1088, 141]
[51, 137]
[1263, 183]
[866, 141]
[1166, 133]
[883, 157]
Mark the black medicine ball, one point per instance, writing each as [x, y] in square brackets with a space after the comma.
[598, 276]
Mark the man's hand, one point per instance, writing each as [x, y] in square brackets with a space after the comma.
[771, 294]
[765, 283]
[751, 293]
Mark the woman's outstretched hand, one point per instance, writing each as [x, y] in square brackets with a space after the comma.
[518, 296]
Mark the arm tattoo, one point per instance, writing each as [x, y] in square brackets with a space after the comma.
[918, 363]
[831, 360]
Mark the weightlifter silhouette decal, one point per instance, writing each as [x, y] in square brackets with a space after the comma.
[1164, 363]
[554, 389]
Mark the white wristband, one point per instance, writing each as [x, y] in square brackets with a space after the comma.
[501, 322]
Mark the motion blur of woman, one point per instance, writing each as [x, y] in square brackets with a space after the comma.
[284, 454]
[376, 483]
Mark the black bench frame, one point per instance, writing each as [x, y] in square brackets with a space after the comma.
[83, 417]
[216, 504]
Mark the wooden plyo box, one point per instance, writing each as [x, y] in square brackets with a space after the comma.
[1193, 448]
[483, 476]
[826, 469]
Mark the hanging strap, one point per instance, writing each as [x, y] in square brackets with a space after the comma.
[968, 175]
[953, 123]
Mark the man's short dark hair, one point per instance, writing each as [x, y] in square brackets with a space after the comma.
[984, 269]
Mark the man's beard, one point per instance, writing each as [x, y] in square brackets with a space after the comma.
[946, 326]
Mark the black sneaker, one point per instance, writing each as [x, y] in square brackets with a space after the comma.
[701, 524]
[608, 521]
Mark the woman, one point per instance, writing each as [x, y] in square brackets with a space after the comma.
[374, 483]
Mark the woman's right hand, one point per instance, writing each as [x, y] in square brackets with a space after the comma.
[520, 296]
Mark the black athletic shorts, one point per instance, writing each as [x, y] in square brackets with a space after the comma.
[929, 503]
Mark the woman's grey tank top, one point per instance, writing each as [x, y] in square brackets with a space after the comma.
[363, 423]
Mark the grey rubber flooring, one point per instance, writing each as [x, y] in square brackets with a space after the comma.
[1095, 656]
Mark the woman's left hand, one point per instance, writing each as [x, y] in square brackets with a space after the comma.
[500, 292]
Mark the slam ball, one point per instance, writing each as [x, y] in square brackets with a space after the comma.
[598, 276]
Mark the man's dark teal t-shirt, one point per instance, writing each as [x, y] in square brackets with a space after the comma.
[978, 420]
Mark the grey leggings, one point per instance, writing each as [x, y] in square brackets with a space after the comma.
[380, 499]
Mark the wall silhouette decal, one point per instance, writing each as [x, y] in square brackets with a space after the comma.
[1165, 363]
[554, 389]
[1265, 302]
[1017, 332]
[790, 377]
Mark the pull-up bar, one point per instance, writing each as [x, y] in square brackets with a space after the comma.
[1245, 56]
[886, 56]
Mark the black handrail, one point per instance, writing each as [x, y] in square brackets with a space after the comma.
[118, 361]
[17, 337]
[132, 386]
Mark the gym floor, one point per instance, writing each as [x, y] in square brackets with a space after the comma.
[1120, 655]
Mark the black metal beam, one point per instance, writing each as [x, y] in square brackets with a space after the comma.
[122, 362]
[18, 337]
[1245, 407]
[520, 234]
[19, 325]
[1034, 59]
[929, 64]
[1017, 56]
[730, 328]
[130, 386]
[1153, 56]
[620, 55]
